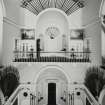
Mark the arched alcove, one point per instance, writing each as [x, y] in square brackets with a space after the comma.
[51, 77]
[52, 73]
[52, 20]
[47, 68]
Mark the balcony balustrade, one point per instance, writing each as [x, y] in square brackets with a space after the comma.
[42, 56]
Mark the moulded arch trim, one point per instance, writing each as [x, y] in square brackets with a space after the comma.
[52, 9]
[44, 68]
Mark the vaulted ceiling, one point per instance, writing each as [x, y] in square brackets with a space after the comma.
[68, 6]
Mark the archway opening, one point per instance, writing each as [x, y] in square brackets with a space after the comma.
[52, 84]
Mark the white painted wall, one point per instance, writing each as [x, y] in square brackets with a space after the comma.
[1, 28]
[11, 26]
[92, 25]
[75, 21]
[52, 75]
[30, 19]
[16, 18]
[29, 71]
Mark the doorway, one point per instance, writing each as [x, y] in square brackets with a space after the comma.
[51, 83]
[51, 93]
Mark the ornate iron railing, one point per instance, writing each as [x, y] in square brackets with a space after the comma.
[62, 56]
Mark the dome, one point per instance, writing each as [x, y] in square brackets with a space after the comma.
[68, 6]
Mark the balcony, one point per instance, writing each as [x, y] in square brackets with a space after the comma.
[41, 56]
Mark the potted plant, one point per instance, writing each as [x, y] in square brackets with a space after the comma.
[1, 93]
[94, 80]
[9, 80]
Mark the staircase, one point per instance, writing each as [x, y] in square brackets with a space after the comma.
[86, 99]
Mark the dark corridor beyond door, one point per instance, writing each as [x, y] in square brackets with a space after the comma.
[52, 94]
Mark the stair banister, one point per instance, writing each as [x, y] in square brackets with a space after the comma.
[13, 96]
[89, 95]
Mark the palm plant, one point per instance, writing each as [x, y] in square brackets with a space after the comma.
[94, 80]
[9, 80]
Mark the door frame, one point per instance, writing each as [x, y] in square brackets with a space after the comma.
[56, 81]
[50, 85]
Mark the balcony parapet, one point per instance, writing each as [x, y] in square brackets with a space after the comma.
[62, 56]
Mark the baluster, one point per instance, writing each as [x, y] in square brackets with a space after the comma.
[23, 55]
[73, 98]
[26, 50]
[70, 99]
[30, 100]
[20, 52]
[34, 99]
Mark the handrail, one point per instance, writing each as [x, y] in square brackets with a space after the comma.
[82, 87]
[13, 96]
[53, 51]
[34, 56]
[89, 95]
